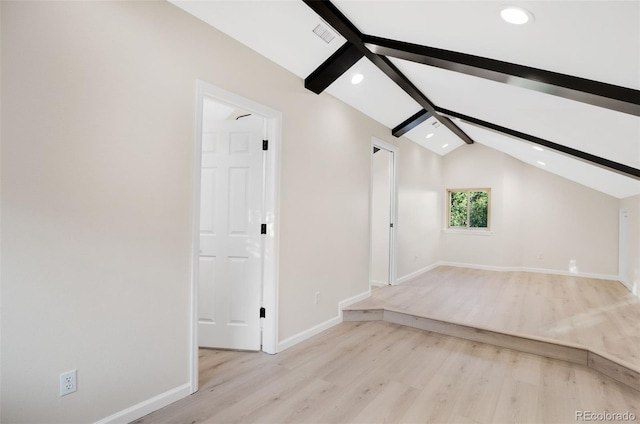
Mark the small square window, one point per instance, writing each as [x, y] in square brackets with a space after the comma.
[468, 208]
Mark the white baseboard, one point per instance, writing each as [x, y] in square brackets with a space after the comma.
[353, 299]
[634, 289]
[514, 268]
[379, 283]
[148, 406]
[529, 269]
[306, 334]
[417, 273]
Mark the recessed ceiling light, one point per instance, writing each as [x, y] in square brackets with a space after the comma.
[444, 146]
[515, 15]
[357, 78]
[540, 149]
[541, 163]
[429, 135]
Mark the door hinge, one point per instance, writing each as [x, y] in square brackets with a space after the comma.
[265, 144]
[263, 313]
[263, 229]
[391, 225]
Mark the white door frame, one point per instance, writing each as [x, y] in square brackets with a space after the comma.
[393, 206]
[623, 249]
[273, 120]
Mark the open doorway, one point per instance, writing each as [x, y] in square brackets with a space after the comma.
[382, 213]
[235, 224]
[623, 250]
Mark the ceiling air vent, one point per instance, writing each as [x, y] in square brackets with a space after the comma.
[324, 33]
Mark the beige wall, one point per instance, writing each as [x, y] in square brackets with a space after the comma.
[538, 220]
[569, 224]
[419, 208]
[98, 114]
[96, 169]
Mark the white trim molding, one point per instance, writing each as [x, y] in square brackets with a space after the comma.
[467, 232]
[417, 273]
[148, 406]
[307, 334]
[393, 212]
[529, 269]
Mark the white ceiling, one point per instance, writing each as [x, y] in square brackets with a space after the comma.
[580, 38]
[594, 39]
[376, 96]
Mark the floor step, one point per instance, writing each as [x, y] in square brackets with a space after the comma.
[610, 366]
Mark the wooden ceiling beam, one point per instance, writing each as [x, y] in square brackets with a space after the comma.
[411, 123]
[332, 68]
[620, 99]
[607, 164]
[592, 92]
[336, 19]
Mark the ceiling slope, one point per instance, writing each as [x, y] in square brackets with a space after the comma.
[585, 40]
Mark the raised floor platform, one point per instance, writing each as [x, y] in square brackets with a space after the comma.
[585, 321]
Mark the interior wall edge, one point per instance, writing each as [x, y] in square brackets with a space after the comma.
[307, 334]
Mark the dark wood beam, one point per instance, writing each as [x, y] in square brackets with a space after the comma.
[621, 99]
[592, 92]
[610, 165]
[403, 82]
[411, 123]
[337, 64]
[330, 13]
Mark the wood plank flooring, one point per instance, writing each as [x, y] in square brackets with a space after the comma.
[379, 372]
[601, 315]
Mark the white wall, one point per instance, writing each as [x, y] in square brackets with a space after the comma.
[98, 117]
[538, 220]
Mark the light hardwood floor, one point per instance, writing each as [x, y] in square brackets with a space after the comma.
[599, 314]
[378, 372]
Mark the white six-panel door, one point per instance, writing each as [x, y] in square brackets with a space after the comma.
[231, 210]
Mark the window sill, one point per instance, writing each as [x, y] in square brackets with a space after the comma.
[468, 232]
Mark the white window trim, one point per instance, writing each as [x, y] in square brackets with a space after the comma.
[468, 230]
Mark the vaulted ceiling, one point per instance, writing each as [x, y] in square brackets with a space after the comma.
[561, 92]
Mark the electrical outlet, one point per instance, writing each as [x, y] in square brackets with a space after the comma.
[68, 382]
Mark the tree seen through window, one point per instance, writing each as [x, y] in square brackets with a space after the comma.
[469, 208]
